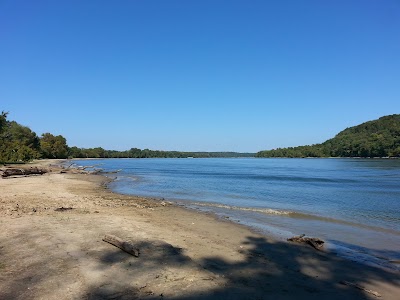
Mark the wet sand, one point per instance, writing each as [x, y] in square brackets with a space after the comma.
[184, 254]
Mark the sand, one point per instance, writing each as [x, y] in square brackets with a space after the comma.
[184, 254]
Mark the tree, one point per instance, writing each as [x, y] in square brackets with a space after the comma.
[18, 143]
[75, 152]
[3, 120]
[53, 146]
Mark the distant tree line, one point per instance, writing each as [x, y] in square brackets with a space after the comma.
[378, 138]
[18, 143]
[75, 152]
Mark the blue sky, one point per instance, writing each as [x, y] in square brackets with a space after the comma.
[198, 75]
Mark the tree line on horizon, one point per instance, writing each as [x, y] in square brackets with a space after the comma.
[377, 138]
[99, 152]
[19, 143]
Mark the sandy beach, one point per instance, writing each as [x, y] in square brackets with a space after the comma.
[51, 253]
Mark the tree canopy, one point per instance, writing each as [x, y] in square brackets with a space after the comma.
[53, 146]
[19, 143]
[3, 120]
[377, 138]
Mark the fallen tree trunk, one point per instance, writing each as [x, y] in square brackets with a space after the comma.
[313, 242]
[121, 244]
[18, 172]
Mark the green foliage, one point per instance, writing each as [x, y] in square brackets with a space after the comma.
[378, 138]
[18, 143]
[301, 151]
[75, 152]
[53, 146]
[3, 120]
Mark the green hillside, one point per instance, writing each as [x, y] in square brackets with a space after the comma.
[377, 138]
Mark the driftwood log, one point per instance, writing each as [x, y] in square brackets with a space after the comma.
[313, 242]
[360, 287]
[62, 208]
[121, 244]
[20, 171]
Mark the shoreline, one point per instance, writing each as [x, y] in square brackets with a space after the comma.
[355, 251]
[362, 242]
[185, 254]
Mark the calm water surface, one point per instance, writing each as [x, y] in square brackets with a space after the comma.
[354, 204]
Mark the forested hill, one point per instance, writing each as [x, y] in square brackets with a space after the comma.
[377, 138]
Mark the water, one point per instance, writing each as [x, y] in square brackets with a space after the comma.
[353, 204]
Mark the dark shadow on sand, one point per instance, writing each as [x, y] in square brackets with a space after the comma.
[270, 270]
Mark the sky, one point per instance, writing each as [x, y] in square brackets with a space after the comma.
[207, 75]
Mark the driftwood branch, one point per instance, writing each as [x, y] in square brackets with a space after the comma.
[15, 171]
[69, 166]
[360, 287]
[96, 171]
[121, 244]
[313, 242]
[87, 167]
[101, 171]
